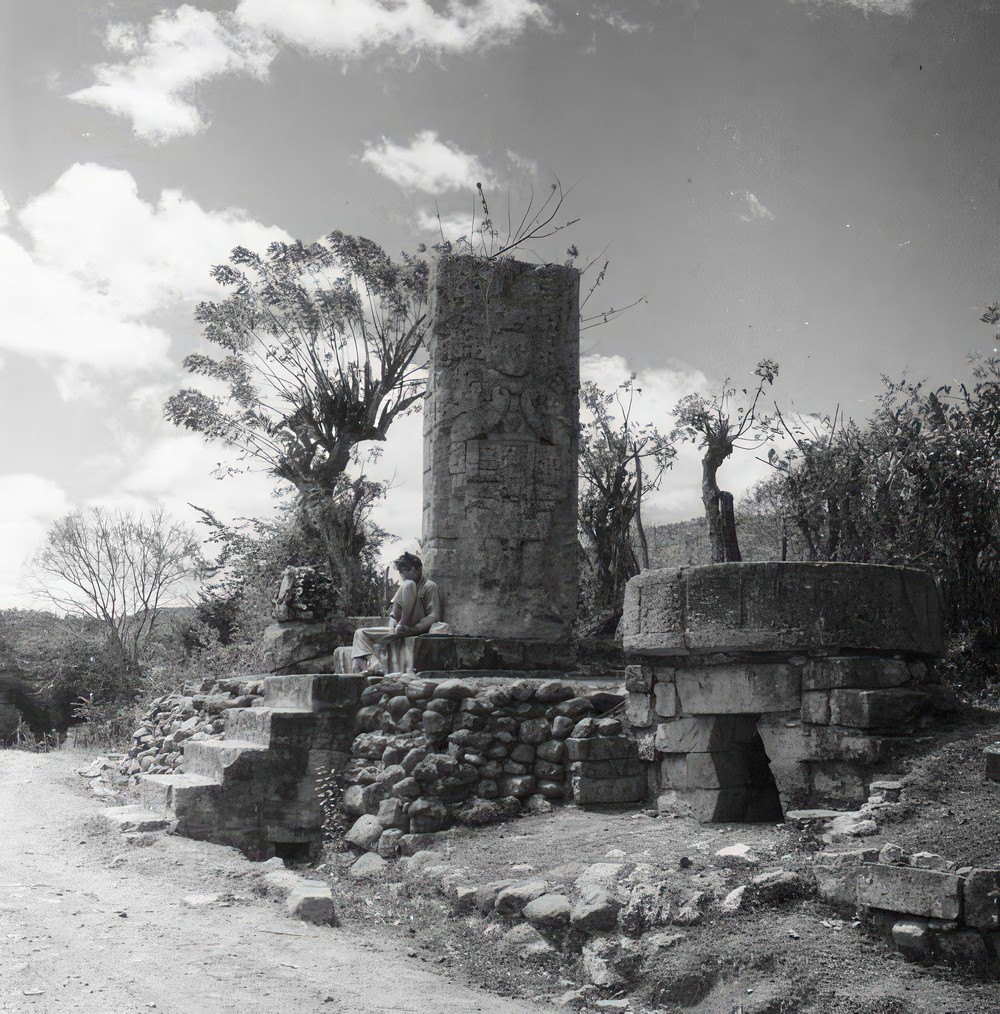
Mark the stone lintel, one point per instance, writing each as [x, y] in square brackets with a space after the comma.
[738, 689]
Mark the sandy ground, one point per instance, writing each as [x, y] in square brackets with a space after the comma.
[92, 922]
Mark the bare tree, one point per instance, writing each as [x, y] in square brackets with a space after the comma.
[117, 567]
[613, 485]
[717, 424]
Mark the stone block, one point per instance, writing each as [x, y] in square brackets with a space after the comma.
[703, 733]
[720, 770]
[618, 767]
[876, 709]
[738, 689]
[665, 699]
[365, 831]
[982, 899]
[838, 782]
[837, 882]
[598, 748]
[791, 740]
[816, 707]
[613, 791]
[991, 759]
[548, 912]
[911, 891]
[638, 711]
[510, 900]
[638, 678]
[860, 672]
[912, 938]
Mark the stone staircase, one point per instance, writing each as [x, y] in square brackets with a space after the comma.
[256, 789]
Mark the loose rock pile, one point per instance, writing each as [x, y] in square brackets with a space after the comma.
[194, 712]
[432, 753]
[615, 914]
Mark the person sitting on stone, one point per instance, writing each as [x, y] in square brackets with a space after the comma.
[415, 609]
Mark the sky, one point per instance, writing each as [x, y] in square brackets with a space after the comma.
[810, 181]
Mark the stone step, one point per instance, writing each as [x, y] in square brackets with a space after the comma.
[164, 793]
[288, 692]
[315, 691]
[263, 725]
[137, 819]
[192, 802]
[213, 758]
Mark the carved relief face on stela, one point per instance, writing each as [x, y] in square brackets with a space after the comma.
[512, 355]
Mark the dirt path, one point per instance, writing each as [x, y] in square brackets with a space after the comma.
[91, 922]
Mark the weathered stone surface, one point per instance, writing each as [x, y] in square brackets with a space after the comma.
[737, 689]
[861, 672]
[365, 831]
[703, 733]
[369, 866]
[771, 606]
[610, 791]
[961, 947]
[876, 709]
[638, 679]
[597, 905]
[427, 815]
[512, 899]
[665, 699]
[816, 707]
[303, 647]
[610, 962]
[638, 710]
[548, 911]
[991, 758]
[308, 900]
[453, 690]
[912, 937]
[500, 425]
[982, 899]
[911, 891]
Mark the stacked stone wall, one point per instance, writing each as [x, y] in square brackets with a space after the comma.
[431, 753]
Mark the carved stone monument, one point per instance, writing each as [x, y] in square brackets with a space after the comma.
[501, 427]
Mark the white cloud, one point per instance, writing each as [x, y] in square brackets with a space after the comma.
[4, 210]
[427, 164]
[28, 505]
[154, 88]
[179, 469]
[452, 227]
[155, 85]
[867, 7]
[98, 261]
[751, 209]
[354, 28]
[616, 18]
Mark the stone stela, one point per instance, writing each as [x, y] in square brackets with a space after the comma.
[501, 424]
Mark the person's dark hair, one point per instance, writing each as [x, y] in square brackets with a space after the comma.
[407, 561]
